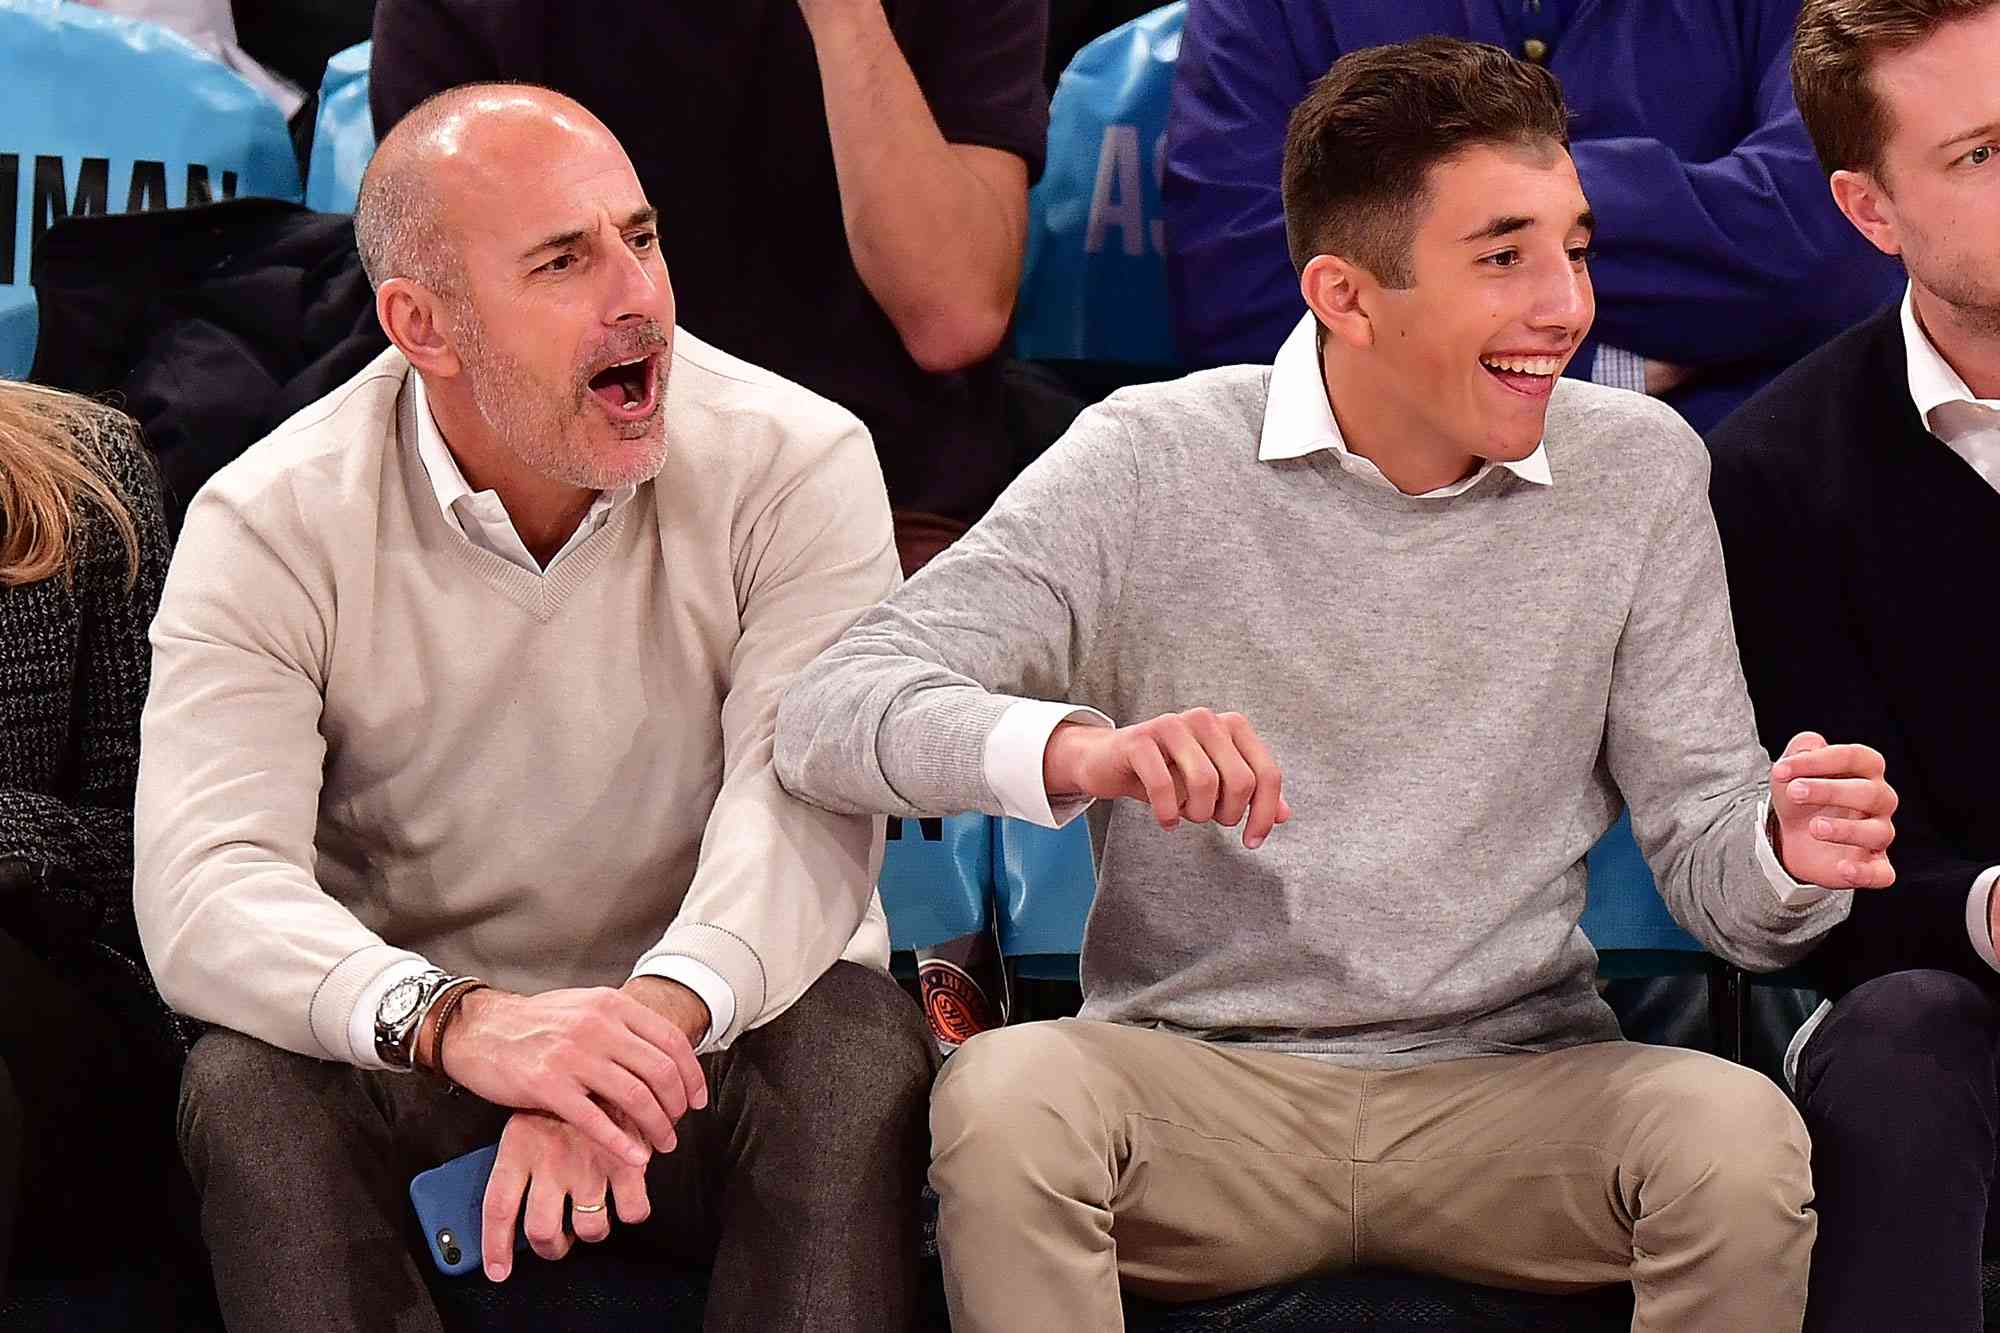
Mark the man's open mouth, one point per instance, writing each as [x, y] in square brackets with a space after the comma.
[1533, 376]
[628, 390]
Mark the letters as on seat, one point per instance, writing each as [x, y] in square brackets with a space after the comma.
[108, 114]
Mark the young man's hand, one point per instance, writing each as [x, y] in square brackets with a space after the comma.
[1198, 765]
[567, 1051]
[550, 1161]
[1834, 814]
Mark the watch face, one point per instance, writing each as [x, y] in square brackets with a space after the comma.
[401, 1001]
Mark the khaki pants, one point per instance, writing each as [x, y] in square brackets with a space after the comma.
[1073, 1156]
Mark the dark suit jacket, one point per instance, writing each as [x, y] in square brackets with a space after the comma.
[1864, 569]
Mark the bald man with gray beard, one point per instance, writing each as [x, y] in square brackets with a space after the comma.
[457, 773]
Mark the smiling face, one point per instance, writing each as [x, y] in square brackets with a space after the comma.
[1935, 198]
[563, 318]
[1467, 355]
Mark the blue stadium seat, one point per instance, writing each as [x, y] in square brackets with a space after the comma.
[343, 133]
[1624, 914]
[937, 879]
[1044, 880]
[105, 114]
[1094, 287]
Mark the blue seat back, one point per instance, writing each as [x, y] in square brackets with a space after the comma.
[343, 133]
[102, 114]
[937, 879]
[1095, 284]
[1044, 881]
[1624, 911]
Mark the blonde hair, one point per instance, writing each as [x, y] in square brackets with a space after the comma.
[53, 460]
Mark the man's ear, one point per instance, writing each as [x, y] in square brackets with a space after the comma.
[1334, 289]
[414, 318]
[1867, 204]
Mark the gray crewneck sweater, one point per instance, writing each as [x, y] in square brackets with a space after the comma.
[1457, 689]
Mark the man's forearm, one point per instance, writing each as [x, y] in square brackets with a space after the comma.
[937, 242]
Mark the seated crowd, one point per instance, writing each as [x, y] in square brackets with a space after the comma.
[501, 758]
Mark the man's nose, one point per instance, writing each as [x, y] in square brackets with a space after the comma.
[639, 290]
[1566, 301]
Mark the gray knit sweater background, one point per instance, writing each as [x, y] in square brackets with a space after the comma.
[1458, 691]
[74, 662]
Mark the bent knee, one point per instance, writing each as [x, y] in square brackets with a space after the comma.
[1014, 1085]
[859, 1039]
[1729, 1135]
[236, 1089]
[1922, 1011]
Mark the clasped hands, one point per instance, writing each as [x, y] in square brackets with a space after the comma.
[1833, 807]
[600, 1078]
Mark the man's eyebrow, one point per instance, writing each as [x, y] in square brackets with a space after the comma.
[1501, 226]
[644, 217]
[1981, 132]
[562, 240]
[1508, 224]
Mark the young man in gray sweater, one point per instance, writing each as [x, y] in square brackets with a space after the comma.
[1469, 607]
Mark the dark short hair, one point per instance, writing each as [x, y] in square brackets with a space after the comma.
[1836, 43]
[1360, 147]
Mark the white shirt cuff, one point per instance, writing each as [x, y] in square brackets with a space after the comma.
[361, 1025]
[1013, 759]
[1790, 892]
[1619, 368]
[1977, 905]
[708, 986]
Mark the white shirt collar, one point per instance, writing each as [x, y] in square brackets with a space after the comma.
[1932, 380]
[1298, 420]
[479, 516]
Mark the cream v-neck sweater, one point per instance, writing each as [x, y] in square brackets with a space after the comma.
[369, 740]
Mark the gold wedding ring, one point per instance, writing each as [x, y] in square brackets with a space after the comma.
[576, 1207]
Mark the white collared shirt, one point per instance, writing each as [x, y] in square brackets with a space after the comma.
[1298, 420]
[1970, 427]
[480, 518]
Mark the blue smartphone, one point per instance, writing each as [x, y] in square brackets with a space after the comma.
[449, 1200]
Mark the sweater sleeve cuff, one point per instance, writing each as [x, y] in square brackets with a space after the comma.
[1013, 760]
[730, 957]
[1978, 909]
[705, 982]
[341, 1007]
[361, 1026]
[1791, 893]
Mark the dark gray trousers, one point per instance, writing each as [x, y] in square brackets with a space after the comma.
[799, 1183]
[1900, 1088]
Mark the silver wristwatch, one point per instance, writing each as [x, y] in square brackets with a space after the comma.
[399, 1015]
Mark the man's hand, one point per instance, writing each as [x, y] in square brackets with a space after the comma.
[1663, 377]
[1197, 765]
[566, 1051]
[550, 1161]
[1833, 810]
